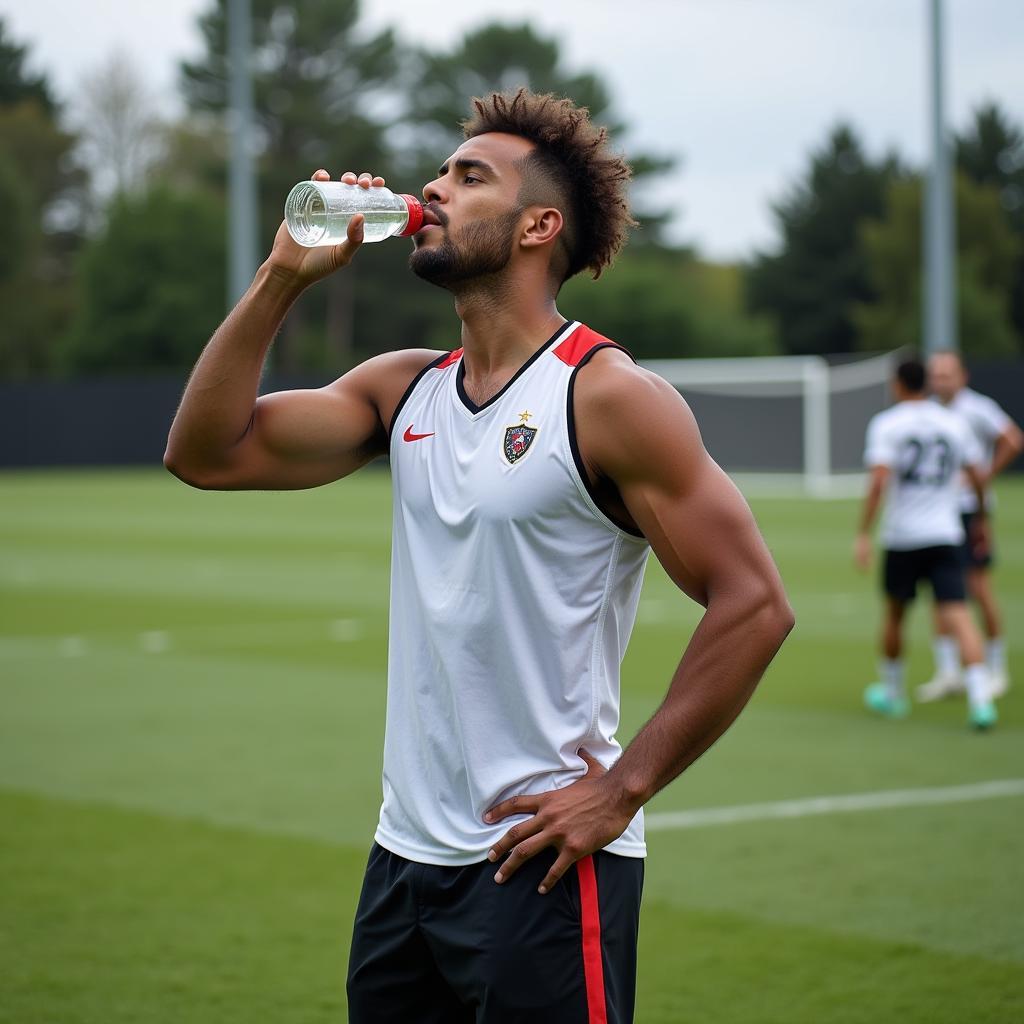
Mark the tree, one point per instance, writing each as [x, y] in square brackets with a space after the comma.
[316, 82]
[494, 58]
[17, 83]
[663, 303]
[42, 195]
[149, 284]
[811, 285]
[118, 127]
[320, 87]
[991, 152]
[987, 254]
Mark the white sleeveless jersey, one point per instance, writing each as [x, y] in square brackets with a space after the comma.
[512, 599]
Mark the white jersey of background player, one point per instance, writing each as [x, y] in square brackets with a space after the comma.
[1001, 441]
[924, 446]
[914, 453]
[988, 422]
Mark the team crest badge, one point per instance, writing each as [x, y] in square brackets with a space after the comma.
[518, 439]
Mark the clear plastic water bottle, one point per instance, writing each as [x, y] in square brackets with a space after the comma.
[318, 212]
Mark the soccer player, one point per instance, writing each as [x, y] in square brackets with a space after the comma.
[914, 452]
[533, 468]
[1001, 441]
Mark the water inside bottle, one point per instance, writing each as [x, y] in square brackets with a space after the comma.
[312, 222]
[381, 224]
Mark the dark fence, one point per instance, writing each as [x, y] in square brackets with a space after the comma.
[99, 421]
[124, 420]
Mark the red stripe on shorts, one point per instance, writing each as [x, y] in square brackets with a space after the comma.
[590, 917]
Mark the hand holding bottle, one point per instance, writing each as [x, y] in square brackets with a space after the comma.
[307, 265]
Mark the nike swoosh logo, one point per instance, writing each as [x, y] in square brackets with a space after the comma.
[410, 436]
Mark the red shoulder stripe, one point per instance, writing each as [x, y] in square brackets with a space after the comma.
[574, 349]
[452, 357]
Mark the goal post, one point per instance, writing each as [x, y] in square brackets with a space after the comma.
[785, 423]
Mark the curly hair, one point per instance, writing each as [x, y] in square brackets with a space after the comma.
[572, 165]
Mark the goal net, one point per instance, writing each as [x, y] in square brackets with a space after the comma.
[785, 423]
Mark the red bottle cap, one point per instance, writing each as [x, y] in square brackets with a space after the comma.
[415, 221]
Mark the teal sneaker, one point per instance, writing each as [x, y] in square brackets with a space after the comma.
[982, 716]
[878, 699]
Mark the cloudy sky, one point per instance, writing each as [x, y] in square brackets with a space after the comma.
[738, 90]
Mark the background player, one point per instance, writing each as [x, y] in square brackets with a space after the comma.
[1001, 441]
[914, 452]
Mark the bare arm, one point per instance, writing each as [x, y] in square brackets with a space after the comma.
[877, 483]
[636, 432]
[223, 437]
[700, 528]
[1009, 444]
[977, 479]
[979, 538]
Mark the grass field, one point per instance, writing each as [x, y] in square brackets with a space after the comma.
[191, 715]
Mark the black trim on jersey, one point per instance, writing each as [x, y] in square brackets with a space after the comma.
[472, 406]
[574, 447]
[409, 390]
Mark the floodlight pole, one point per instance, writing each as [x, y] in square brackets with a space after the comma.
[242, 177]
[939, 227]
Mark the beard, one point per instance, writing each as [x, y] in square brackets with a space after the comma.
[482, 251]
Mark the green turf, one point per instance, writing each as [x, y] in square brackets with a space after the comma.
[191, 713]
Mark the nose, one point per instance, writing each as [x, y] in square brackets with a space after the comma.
[433, 193]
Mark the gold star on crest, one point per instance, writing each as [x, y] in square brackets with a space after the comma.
[524, 416]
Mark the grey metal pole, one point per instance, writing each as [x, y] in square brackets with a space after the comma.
[242, 216]
[940, 326]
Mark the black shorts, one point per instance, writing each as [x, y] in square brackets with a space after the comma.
[448, 945]
[971, 558]
[941, 566]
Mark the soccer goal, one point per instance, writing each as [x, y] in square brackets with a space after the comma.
[785, 423]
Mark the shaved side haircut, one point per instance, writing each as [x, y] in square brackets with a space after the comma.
[571, 168]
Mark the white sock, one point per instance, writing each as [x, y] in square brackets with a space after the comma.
[995, 654]
[892, 676]
[976, 680]
[947, 656]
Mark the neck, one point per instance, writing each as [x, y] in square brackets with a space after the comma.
[503, 326]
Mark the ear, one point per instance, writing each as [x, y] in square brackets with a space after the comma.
[541, 226]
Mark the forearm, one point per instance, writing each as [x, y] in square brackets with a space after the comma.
[981, 497]
[218, 403]
[723, 663]
[869, 510]
[1008, 446]
[978, 486]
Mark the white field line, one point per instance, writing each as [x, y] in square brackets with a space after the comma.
[702, 817]
[160, 641]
